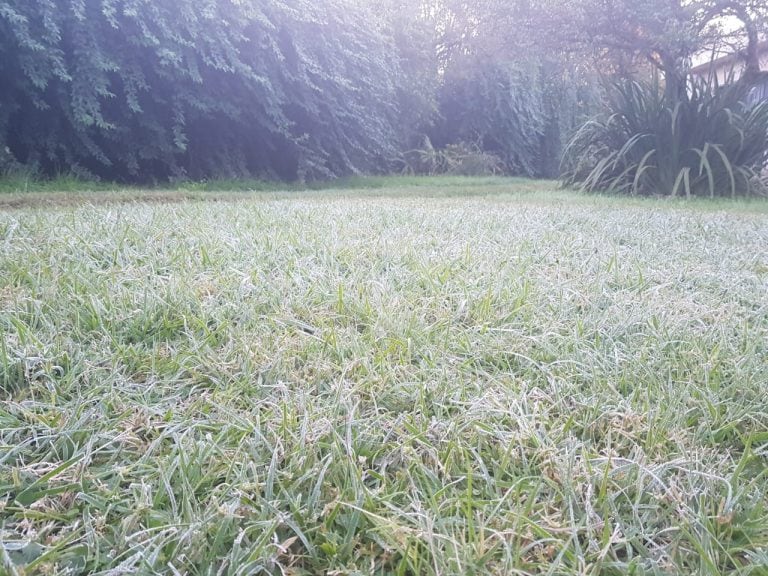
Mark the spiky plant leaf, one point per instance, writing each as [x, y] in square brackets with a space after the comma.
[709, 143]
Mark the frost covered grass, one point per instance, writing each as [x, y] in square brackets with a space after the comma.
[490, 378]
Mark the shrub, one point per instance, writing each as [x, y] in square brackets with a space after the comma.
[709, 143]
[518, 111]
[463, 159]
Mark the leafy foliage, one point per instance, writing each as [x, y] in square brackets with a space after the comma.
[707, 142]
[630, 37]
[495, 107]
[501, 91]
[145, 89]
[458, 159]
[519, 112]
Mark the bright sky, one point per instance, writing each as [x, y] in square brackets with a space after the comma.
[729, 23]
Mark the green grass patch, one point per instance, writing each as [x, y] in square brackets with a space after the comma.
[462, 377]
[17, 184]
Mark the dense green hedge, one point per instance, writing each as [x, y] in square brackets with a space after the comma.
[520, 112]
[158, 89]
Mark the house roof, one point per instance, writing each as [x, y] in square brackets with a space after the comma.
[727, 59]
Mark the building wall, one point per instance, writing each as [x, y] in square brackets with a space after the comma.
[728, 71]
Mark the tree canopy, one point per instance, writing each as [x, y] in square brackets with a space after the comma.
[666, 35]
[191, 88]
[147, 90]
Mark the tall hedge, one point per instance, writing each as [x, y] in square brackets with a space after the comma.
[158, 89]
[520, 111]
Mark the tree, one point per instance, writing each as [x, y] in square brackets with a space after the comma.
[500, 91]
[665, 34]
[156, 89]
[690, 137]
